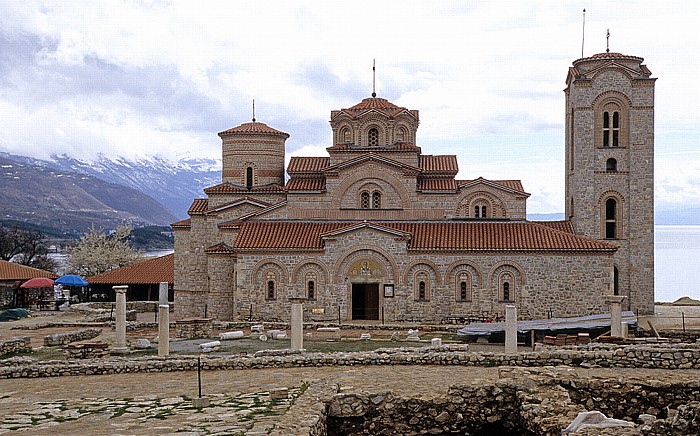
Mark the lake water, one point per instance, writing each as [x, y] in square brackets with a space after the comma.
[676, 262]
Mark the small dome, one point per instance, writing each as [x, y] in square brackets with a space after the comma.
[254, 128]
[609, 56]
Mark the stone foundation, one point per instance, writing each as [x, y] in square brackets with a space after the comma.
[15, 346]
[86, 350]
[193, 328]
[68, 337]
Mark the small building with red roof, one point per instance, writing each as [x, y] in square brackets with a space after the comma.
[142, 277]
[12, 275]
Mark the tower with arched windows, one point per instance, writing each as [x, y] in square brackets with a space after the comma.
[610, 166]
[253, 155]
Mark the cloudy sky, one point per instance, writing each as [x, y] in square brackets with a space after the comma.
[139, 78]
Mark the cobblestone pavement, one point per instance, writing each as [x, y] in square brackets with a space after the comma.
[160, 403]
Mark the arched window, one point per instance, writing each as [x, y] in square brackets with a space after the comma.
[507, 284]
[611, 165]
[422, 286]
[364, 200]
[480, 209]
[270, 289]
[464, 287]
[311, 290]
[616, 281]
[611, 219]
[376, 200]
[611, 129]
[373, 137]
[249, 177]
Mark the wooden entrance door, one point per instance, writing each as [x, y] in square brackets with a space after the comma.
[365, 301]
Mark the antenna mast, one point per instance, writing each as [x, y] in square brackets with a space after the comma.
[374, 76]
[253, 110]
[583, 34]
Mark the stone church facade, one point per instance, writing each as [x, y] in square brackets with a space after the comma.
[379, 230]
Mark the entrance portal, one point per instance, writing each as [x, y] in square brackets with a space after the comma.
[365, 301]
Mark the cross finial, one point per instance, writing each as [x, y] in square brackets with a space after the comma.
[607, 50]
[374, 78]
[253, 110]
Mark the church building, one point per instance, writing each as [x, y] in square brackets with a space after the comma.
[378, 229]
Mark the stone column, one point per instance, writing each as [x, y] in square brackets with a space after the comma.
[615, 302]
[163, 320]
[297, 325]
[120, 321]
[511, 330]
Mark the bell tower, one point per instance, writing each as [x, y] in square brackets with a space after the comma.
[610, 166]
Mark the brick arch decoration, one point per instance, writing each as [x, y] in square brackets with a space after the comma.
[411, 269]
[348, 257]
[265, 264]
[461, 265]
[343, 127]
[624, 103]
[465, 205]
[373, 122]
[504, 266]
[244, 169]
[619, 97]
[619, 212]
[394, 182]
[613, 70]
[315, 265]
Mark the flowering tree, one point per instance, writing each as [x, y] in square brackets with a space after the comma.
[98, 252]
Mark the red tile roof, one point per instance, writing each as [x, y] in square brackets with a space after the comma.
[306, 185]
[302, 164]
[230, 188]
[514, 185]
[199, 206]
[10, 271]
[149, 271]
[439, 163]
[374, 157]
[562, 226]
[377, 104]
[253, 128]
[220, 248]
[437, 185]
[479, 236]
[609, 56]
[182, 224]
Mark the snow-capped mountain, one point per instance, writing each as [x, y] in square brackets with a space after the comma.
[174, 184]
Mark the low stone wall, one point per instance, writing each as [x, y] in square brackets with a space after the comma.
[68, 337]
[138, 306]
[193, 328]
[664, 356]
[15, 346]
[684, 336]
[86, 350]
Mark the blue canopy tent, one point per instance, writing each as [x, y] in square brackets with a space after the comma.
[72, 281]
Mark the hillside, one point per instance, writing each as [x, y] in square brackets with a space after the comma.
[72, 202]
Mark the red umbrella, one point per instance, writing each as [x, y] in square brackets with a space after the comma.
[37, 282]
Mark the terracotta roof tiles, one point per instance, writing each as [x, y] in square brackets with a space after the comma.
[302, 164]
[254, 128]
[437, 185]
[149, 271]
[439, 163]
[515, 185]
[199, 206]
[306, 185]
[220, 248]
[377, 104]
[182, 224]
[487, 236]
[230, 188]
[13, 271]
[562, 226]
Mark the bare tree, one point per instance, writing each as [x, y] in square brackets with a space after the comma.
[26, 247]
[98, 252]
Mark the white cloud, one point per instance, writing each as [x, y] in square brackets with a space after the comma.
[471, 68]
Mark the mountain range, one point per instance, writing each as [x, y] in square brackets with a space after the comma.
[71, 194]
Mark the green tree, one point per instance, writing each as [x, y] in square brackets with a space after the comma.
[26, 247]
[98, 252]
